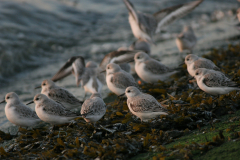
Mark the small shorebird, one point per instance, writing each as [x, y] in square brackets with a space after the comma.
[144, 26]
[143, 105]
[52, 112]
[151, 70]
[186, 40]
[88, 75]
[194, 62]
[94, 108]
[61, 95]
[214, 82]
[18, 113]
[117, 79]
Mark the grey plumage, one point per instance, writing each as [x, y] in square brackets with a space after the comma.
[194, 62]
[61, 95]
[143, 105]
[117, 79]
[18, 113]
[218, 79]
[123, 80]
[151, 70]
[93, 108]
[205, 63]
[156, 67]
[214, 82]
[52, 112]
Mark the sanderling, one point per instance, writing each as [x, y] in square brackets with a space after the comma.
[143, 105]
[144, 26]
[88, 75]
[141, 45]
[52, 112]
[186, 40]
[151, 70]
[61, 95]
[214, 82]
[94, 108]
[18, 113]
[117, 79]
[194, 62]
[119, 57]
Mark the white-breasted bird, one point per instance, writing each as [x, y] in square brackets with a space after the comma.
[18, 113]
[214, 82]
[52, 112]
[194, 62]
[151, 70]
[94, 108]
[117, 79]
[143, 105]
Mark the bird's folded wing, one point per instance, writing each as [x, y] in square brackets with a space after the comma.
[92, 107]
[205, 63]
[60, 94]
[168, 15]
[145, 105]
[156, 67]
[121, 80]
[218, 79]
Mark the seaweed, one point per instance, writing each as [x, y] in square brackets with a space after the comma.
[121, 135]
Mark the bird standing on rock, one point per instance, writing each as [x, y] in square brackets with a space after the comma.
[18, 113]
[151, 70]
[94, 108]
[52, 112]
[194, 62]
[143, 105]
[118, 80]
[214, 82]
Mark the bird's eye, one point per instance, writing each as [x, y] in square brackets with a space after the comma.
[138, 57]
[37, 99]
[108, 68]
[44, 84]
[8, 97]
[197, 73]
[188, 59]
[128, 91]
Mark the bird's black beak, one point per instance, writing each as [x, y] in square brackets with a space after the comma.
[2, 101]
[121, 95]
[180, 65]
[191, 78]
[30, 102]
[38, 87]
[103, 71]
